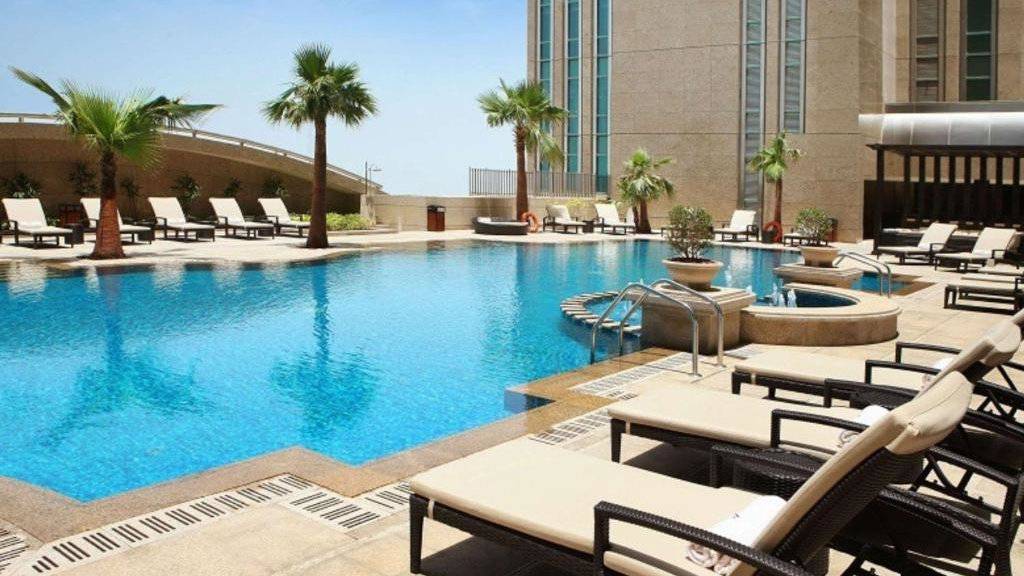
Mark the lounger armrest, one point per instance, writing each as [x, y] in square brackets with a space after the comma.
[901, 346]
[753, 228]
[770, 458]
[999, 402]
[947, 458]
[871, 365]
[942, 514]
[160, 221]
[887, 396]
[779, 415]
[998, 254]
[271, 219]
[605, 512]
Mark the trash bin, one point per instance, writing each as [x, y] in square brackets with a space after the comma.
[435, 218]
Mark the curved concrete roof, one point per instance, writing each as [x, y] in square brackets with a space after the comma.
[44, 127]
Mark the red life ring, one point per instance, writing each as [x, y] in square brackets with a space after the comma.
[775, 229]
[532, 219]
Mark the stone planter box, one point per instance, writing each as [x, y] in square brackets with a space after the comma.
[668, 326]
[841, 277]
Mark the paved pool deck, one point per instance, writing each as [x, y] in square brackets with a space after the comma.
[275, 533]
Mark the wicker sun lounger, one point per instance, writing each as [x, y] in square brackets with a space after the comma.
[277, 214]
[25, 217]
[741, 224]
[608, 217]
[932, 242]
[169, 216]
[559, 218]
[992, 244]
[490, 226]
[994, 290]
[229, 215]
[135, 232]
[589, 516]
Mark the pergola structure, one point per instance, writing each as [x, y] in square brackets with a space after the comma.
[957, 166]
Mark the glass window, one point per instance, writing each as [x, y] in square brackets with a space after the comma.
[925, 45]
[572, 85]
[602, 90]
[791, 117]
[979, 64]
[545, 25]
[752, 132]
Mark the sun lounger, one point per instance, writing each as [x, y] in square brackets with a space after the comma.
[277, 214]
[229, 215]
[92, 214]
[1002, 270]
[559, 506]
[741, 224]
[169, 216]
[25, 217]
[493, 227]
[608, 217]
[559, 218]
[999, 291]
[932, 242]
[810, 373]
[992, 244]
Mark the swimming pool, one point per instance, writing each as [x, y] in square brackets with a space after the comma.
[121, 380]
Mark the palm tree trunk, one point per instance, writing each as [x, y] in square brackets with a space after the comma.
[643, 223]
[778, 201]
[108, 230]
[522, 201]
[318, 204]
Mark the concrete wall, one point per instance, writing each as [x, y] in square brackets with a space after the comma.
[410, 212]
[46, 155]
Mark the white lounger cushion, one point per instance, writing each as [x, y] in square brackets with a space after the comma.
[610, 214]
[169, 208]
[28, 213]
[275, 208]
[560, 214]
[990, 239]
[92, 212]
[718, 415]
[228, 209]
[981, 286]
[937, 233]
[1002, 270]
[741, 219]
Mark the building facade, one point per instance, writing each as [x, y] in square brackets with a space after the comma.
[709, 82]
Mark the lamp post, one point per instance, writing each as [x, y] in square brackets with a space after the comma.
[368, 169]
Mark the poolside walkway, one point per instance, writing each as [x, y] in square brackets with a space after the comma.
[283, 536]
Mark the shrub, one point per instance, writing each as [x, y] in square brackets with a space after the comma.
[130, 190]
[689, 232]
[187, 190]
[233, 188]
[274, 186]
[341, 222]
[20, 186]
[814, 222]
[83, 180]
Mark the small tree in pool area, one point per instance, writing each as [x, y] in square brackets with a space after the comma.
[689, 232]
[640, 184]
[815, 223]
[773, 161]
[187, 190]
[273, 187]
[21, 185]
[130, 189]
[83, 180]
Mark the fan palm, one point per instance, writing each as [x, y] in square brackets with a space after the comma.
[640, 184]
[321, 89]
[773, 161]
[113, 127]
[527, 107]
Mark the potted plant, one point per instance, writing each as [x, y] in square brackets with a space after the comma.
[689, 234]
[816, 224]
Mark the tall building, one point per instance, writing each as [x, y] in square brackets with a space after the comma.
[709, 82]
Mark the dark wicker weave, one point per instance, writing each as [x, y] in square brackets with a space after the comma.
[500, 227]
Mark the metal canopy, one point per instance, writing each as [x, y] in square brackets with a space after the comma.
[961, 133]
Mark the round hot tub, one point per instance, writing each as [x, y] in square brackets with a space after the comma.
[823, 316]
[810, 299]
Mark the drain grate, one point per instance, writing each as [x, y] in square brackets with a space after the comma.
[745, 352]
[573, 429]
[13, 547]
[616, 386]
[122, 536]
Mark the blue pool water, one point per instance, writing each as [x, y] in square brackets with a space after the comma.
[122, 380]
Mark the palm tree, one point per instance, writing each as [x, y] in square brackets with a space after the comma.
[640, 184]
[321, 88]
[527, 107]
[127, 127]
[773, 161]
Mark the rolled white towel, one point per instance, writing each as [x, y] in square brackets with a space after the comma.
[744, 527]
[867, 417]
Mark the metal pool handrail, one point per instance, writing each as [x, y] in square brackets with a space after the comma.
[884, 271]
[719, 314]
[647, 291]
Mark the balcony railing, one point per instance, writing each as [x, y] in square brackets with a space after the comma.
[483, 182]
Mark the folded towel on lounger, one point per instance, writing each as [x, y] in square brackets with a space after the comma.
[744, 527]
[867, 417]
